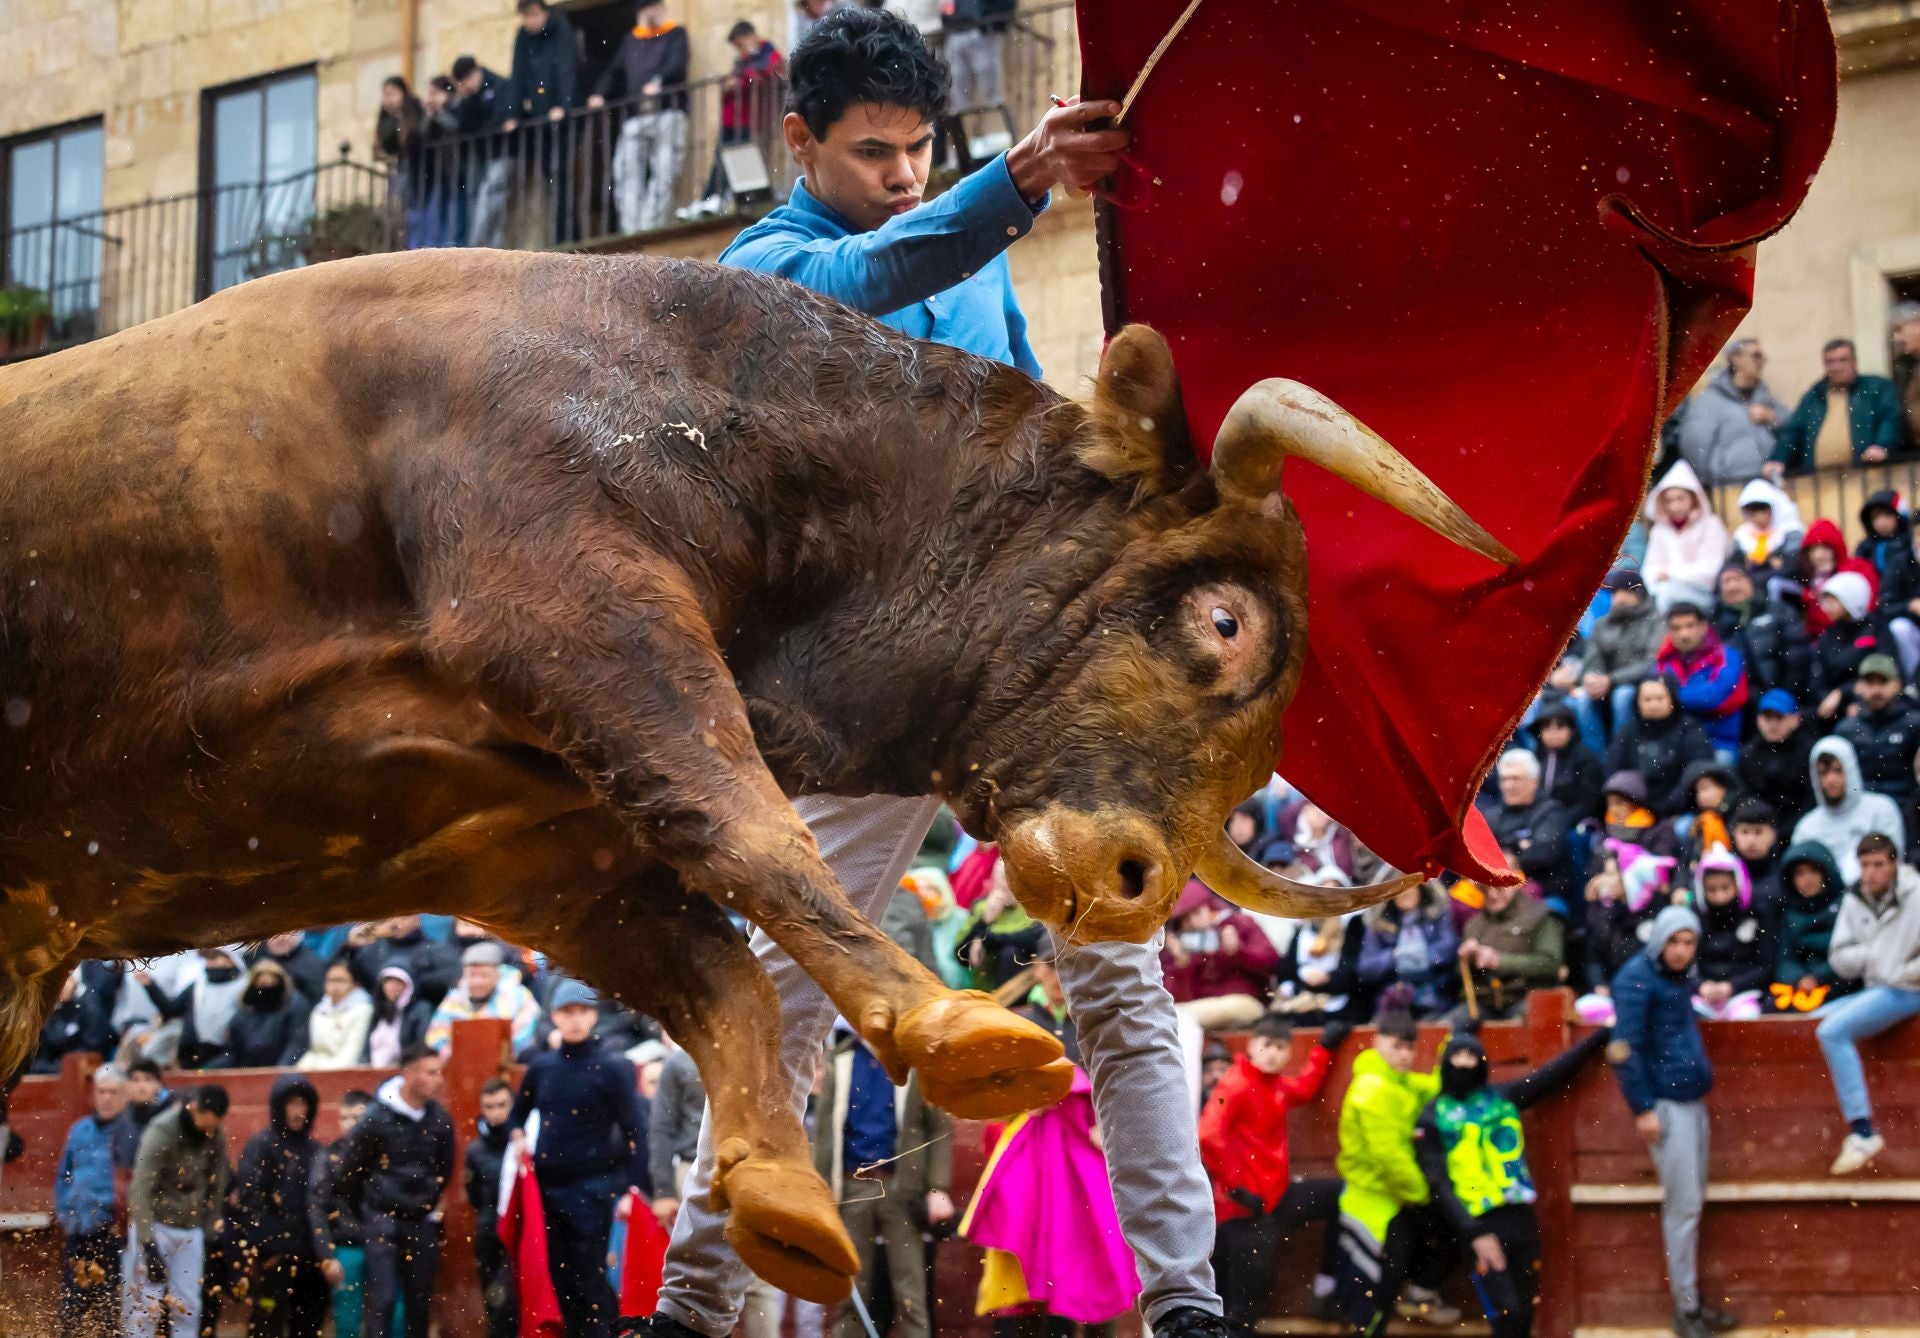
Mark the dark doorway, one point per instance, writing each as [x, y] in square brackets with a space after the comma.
[601, 24]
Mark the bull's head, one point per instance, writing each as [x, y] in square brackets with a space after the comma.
[1160, 708]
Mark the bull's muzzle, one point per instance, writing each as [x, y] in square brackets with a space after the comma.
[1091, 877]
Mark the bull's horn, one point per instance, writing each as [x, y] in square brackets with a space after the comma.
[1278, 418]
[1232, 873]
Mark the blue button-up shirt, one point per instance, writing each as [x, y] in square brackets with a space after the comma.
[938, 272]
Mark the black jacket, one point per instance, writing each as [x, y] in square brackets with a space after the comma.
[590, 1120]
[1886, 741]
[433, 967]
[276, 1171]
[1893, 556]
[1574, 776]
[1772, 637]
[400, 1164]
[79, 1025]
[1780, 774]
[546, 70]
[1545, 827]
[485, 108]
[1661, 750]
[1615, 934]
[303, 966]
[269, 1028]
[1837, 653]
[480, 1173]
[640, 60]
[1738, 944]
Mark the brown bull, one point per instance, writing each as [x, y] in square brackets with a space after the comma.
[525, 588]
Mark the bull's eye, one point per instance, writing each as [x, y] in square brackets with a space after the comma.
[1225, 624]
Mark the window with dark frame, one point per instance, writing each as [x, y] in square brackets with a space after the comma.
[258, 154]
[51, 247]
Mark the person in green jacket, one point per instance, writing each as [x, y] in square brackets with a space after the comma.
[1811, 888]
[1388, 1233]
[1869, 433]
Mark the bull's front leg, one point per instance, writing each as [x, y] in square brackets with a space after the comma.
[619, 669]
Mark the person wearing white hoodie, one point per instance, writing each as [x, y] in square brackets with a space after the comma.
[1686, 544]
[1770, 528]
[1846, 810]
[337, 1028]
[1876, 939]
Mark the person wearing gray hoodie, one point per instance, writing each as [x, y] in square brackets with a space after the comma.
[1726, 431]
[1876, 940]
[1846, 810]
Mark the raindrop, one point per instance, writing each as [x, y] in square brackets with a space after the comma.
[19, 711]
[454, 603]
[1230, 187]
[1623, 176]
[253, 843]
[93, 847]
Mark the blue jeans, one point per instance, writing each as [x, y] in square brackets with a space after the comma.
[1596, 728]
[1846, 1022]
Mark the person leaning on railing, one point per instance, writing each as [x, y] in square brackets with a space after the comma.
[1846, 417]
[651, 64]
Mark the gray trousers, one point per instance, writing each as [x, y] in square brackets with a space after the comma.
[1680, 1159]
[1129, 1041]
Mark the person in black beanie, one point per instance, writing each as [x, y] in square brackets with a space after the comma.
[591, 1149]
[1756, 840]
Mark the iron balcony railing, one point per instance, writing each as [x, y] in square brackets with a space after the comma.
[587, 178]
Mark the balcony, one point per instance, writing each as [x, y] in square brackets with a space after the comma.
[605, 178]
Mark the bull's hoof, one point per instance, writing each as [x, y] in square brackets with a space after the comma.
[968, 1047]
[782, 1222]
[999, 1095]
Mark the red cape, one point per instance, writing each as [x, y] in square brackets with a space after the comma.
[1508, 235]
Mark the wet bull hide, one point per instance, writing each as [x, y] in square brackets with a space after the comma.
[526, 588]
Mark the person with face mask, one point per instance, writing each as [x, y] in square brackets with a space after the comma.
[269, 1028]
[1472, 1149]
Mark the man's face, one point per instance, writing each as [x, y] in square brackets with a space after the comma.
[1555, 735]
[1268, 1055]
[1678, 954]
[1499, 898]
[533, 18]
[870, 165]
[495, 1107]
[650, 1078]
[1748, 362]
[1906, 337]
[1518, 786]
[143, 1088]
[205, 1120]
[1754, 840]
[575, 1022]
[1625, 600]
[479, 980]
[1808, 881]
[1399, 1054]
[1876, 692]
[109, 1098]
[1877, 868]
[424, 1078]
[435, 99]
[350, 1113]
[745, 45]
[1833, 779]
[1843, 369]
[299, 1113]
[1776, 727]
[471, 84]
[1686, 632]
[1736, 587]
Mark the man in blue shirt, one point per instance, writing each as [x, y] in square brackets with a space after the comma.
[864, 92]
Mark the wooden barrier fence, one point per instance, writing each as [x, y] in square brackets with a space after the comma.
[1784, 1245]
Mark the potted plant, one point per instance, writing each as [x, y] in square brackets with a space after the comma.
[26, 317]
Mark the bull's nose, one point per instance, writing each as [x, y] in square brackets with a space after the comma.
[1101, 875]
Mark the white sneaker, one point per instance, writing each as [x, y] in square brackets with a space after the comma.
[1427, 1307]
[1856, 1152]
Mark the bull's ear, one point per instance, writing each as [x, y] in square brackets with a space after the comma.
[1140, 423]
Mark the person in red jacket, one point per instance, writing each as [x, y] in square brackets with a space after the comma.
[1243, 1141]
[1219, 965]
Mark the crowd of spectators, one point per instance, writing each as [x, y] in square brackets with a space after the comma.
[470, 142]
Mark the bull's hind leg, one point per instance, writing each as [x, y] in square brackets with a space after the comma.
[615, 663]
[672, 954]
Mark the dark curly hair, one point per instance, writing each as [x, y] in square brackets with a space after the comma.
[863, 55]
